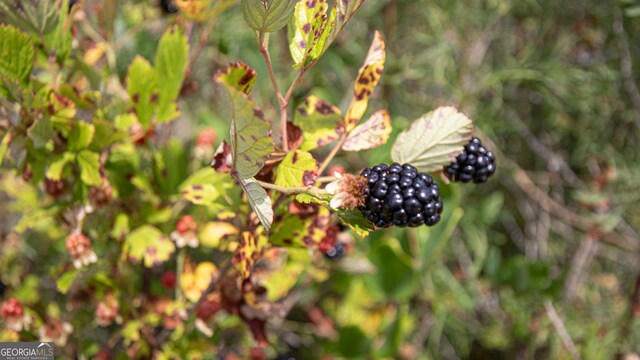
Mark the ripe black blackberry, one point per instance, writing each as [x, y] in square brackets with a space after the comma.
[399, 195]
[475, 163]
[336, 252]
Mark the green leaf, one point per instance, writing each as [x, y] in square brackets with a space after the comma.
[356, 222]
[259, 201]
[298, 168]
[306, 30]
[89, 163]
[148, 245]
[170, 63]
[302, 231]
[267, 15]
[205, 194]
[120, 227]
[81, 136]
[41, 132]
[142, 86]
[396, 276]
[56, 168]
[66, 280]
[352, 341]
[62, 37]
[367, 80]
[370, 134]
[251, 143]
[433, 140]
[321, 123]
[206, 186]
[107, 134]
[16, 53]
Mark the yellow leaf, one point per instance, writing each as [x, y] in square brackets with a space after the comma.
[371, 134]
[214, 231]
[194, 282]
[368, 78]
[94, 54]
[249, 250]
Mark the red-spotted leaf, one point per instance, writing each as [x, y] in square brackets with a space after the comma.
[368, 78]
[307, 31]
[370, 134]
[251, 143]
[148, 245]
[302, 230]
[433, 140]
[321, 123]
[142, 86]
[249, 250]
[298, 168]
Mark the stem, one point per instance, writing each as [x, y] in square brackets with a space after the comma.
[179, 269]
[293, 86]
[263, 40]
[326, 179]
[204, 36]
[332, 154]
[311, 190]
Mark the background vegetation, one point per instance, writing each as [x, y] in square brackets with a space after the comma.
[540, 262]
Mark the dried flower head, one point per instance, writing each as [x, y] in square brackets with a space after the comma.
[107, 310]
[186, 232]
[14, 315]
[55, 331]
[348, 191]
[79, 247]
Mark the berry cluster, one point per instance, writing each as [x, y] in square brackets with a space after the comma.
[399, 195]
[475, 163]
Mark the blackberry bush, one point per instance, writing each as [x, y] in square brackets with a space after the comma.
[399, 195]
[475, 163]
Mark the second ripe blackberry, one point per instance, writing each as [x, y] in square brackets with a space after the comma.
[475, 163]
[399, 195]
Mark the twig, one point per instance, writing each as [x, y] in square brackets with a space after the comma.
[311, 190]
[626, 64]
[326, 179]
[263, 41]
[332, 154]
[204, 36]
[562, 331]
[581, 260]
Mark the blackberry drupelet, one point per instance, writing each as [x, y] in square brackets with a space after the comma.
[475, 163]
[399, 195]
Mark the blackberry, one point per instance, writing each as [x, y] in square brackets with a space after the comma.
[336, 252]
[475, 163]
[399, 195]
